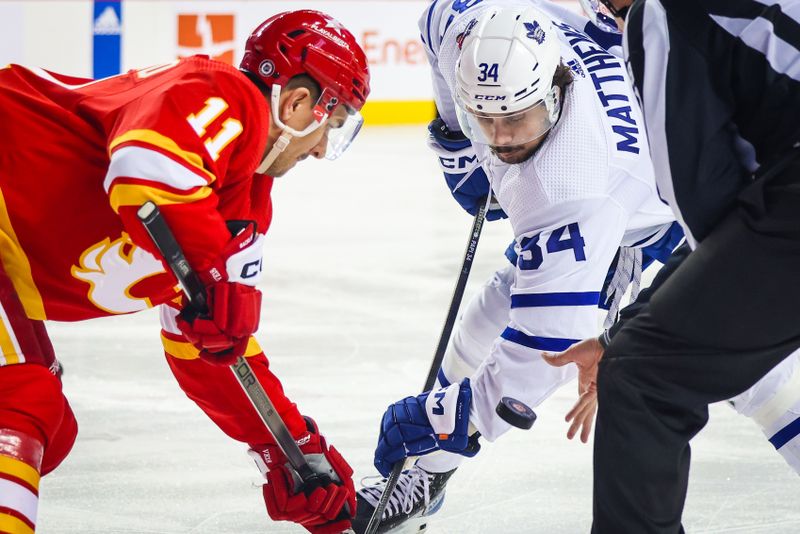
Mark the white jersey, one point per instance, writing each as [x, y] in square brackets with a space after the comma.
[588, 190]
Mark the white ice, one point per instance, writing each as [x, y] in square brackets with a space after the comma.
[361, 260]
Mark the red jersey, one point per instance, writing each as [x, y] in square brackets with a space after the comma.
[77, 159]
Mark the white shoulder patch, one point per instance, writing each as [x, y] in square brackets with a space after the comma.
[573, 163]
[518, 189]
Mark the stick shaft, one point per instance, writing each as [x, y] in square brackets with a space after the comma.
[458, 295]
[447, 329]
[165, 241]
[272, 419]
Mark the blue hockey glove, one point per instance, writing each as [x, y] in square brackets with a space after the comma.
[435, 420]
[463, 173]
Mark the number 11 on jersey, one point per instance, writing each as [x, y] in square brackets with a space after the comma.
[200, 121]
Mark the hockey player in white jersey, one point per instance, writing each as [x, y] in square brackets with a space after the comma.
[553, 123]
[576, 184]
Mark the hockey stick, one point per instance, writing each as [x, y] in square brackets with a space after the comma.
[438, 357]
[165, 241]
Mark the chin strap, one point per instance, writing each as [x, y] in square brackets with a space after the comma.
[279, 146]
[286, 132]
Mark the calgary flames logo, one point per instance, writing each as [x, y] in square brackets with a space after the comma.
[112, 268]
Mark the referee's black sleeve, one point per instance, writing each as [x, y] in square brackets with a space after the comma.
[717, 80]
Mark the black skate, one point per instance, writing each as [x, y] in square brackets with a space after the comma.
[418, 495]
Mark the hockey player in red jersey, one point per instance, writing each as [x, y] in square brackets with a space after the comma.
[202, 140]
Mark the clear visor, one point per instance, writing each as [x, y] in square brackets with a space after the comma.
[341, 132]
[341, 123]
[508, 129]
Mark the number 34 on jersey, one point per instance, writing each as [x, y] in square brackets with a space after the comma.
[531, 256]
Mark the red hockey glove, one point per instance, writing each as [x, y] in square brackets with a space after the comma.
[324, 509]
[234, 305]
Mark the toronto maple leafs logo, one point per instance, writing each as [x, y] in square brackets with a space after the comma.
[535, 31]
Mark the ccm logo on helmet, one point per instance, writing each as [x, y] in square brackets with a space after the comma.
[490, 97]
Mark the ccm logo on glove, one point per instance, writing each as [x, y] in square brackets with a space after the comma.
[251, 269]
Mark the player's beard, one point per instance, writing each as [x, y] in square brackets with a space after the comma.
[519, 153]
[513, 154]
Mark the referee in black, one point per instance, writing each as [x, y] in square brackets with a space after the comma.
[719, 85]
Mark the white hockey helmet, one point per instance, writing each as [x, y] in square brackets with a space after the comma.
[504, 77]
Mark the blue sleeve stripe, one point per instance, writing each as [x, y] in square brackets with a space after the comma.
[442, 379]
[537, 300]
[428, 25]
[786, 434]
[552, 344]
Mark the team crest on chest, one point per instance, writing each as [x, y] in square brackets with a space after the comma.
[112, 269]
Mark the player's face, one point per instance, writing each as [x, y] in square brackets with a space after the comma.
[314, 144]
[514, 138]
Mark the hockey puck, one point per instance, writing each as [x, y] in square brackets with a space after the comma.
[515, 413]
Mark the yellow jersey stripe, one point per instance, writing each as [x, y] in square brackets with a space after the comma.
[18, 268]
[13, 525]
[151, 137]
[20, 470]
[186, 351]
[136, 195]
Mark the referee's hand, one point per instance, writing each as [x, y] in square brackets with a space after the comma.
[586, 356]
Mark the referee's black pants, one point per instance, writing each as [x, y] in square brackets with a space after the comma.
[727, 315]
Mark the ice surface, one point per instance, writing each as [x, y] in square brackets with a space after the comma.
[360, 265]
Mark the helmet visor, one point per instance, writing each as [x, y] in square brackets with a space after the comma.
[340, 122]
[508, 129]
[341, 133]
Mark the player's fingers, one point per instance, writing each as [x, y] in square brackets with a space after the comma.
[587, 425]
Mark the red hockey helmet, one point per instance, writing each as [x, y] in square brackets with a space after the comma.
[313, 43]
